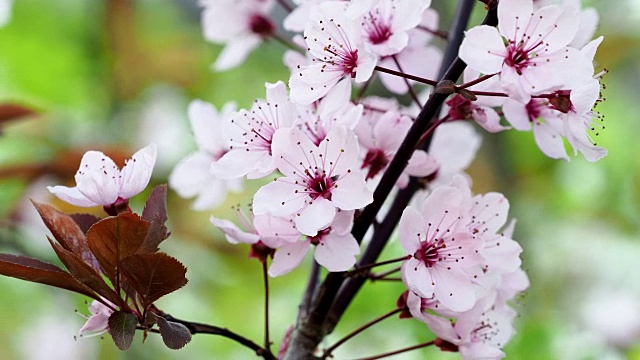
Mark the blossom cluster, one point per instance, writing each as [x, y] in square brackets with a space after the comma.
[321, 152]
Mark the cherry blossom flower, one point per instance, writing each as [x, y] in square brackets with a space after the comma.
[264, 232]
[588, 20]
[380, 136]
[335, 43]
[386, 23]
[335, 248]
[239, 24]
[482, 109]
[250, 135]
[534, 57]
[441, 250]
[568, 115]
[192, 176]
[98, 323]
[318, 180]
[100, 182]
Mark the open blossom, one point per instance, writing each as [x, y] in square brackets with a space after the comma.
[335, 248]
[529, 49]
[250, 133]
[319, 179]
[380, 136]
[98, 322]
[100, 182]
[335, 43]
[239, 24]
[386, 23]
[441, 249]
[192, 176]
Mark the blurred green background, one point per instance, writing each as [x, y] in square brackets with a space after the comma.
[114, 75]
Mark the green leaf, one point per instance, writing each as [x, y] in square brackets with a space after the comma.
[122, 327]
[29, 269]
[174, 335]
[153, 275]
[115, 238]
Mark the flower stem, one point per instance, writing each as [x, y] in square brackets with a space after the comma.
[286, 42]
[400, 351]
[476, 81]
[360, 269]
[438, 33]
[382, 276]
[355, 332]
[199, 328]
[265, 280]
[406, 76]
[413, 94]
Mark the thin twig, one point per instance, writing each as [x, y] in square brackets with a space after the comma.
[413, 94]
[407, 76]
[359, 269]
[400, 351]
[357, 331]
[265, 280]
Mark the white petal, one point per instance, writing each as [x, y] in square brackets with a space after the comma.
[233, 233]
[453, 289]
[418, 278]
[411, 228]
[483, 49]
[316, 216]
[98, 178]
[288, 257]
[137, 172]
[352, 192]
[71, 196]
[279, 198]
[337, 252]
[237, 163]
[235, 52]
[191, 175]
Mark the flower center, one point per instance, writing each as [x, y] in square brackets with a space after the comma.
[320, 186]
[260, 25]
[375, 160]
[429, 252]
[378, 31]
[517, 57]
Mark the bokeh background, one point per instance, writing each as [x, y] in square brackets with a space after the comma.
[114, 75]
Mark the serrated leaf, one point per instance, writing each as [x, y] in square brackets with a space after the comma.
[115, 238]
[67, 232]
[87, 275]
[29, 269]
[122, 328]
[155, 211]
[174, 335]
[153, 275]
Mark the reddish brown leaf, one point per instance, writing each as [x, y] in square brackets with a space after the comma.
[174, 335]
[115, 238]
[65, 229]
[153, 275]
[122, 327]
[37, 271]
[13, 112]
[87, 275]
[85, 221]
[155, 211]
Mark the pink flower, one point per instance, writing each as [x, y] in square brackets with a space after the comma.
[98, 323]
[335, 248]
[192, 176]
[380, 135]
[239, 24]
[534, 57]
[250, 133]
[335, 43]
[386, 23]
[100, 182]
[441, 250]
[318, 180]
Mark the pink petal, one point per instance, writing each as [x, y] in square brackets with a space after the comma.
[549, 141]
[316, 216]
[236, 52]
[421, 164]
[516, 114]
[190, 176]
[279, 198]
[411, 228]
[233, 233]
[418, 278]
[483, 49]
[71, 196]
[337, 252]
[453, 289]
[513, 16]
[137, 172]
[237, 163]
[98, 178]
[351, 192]
[288, 257]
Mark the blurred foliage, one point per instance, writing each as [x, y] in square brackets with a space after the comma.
[87, 67]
